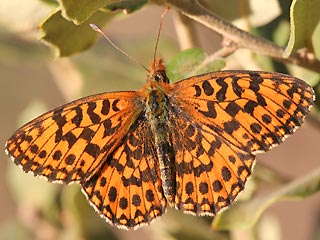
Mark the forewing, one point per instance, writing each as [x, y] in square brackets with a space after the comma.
[71, 142]
[252, 110]
[219, 122]
[127, 192]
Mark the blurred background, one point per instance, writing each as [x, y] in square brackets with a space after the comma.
[33, 81]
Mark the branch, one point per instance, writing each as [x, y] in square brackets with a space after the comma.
[243, 39]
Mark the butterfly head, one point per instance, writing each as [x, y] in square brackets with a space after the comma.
[157, 72]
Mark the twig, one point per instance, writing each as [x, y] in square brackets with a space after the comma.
[228, 48]
[243, 39]
[221, 53]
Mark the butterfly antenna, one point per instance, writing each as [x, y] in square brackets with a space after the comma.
[97, 29]
[166, 10]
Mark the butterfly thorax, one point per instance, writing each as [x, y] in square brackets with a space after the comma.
[157, 107]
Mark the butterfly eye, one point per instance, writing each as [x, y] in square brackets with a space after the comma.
[157, 78]
[160, 76]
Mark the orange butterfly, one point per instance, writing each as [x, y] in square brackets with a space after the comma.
[190, 144]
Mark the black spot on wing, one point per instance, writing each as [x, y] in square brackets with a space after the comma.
[221, 94]
[211, 111]
[95, 118]
[207, 88]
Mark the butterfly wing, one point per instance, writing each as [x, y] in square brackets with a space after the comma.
[127, 192]
[210, 172]
[230, 116]
[71, 142]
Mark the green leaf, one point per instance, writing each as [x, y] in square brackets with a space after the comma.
[129, 6]
[245, 214]
[305, 27]
[81, 10]
[67, 38]
[191, 62]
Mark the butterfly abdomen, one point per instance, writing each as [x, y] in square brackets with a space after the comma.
[157, 115]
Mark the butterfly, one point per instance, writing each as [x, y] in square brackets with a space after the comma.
[190, 145]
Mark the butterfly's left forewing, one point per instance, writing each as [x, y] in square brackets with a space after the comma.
[71, 142]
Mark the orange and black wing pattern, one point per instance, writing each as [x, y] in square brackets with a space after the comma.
[127, 191]
[70, 143]
[214, 123]
[220, 121]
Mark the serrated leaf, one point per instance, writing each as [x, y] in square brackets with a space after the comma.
[305, 27]
[129, 6]
[81, 10]
[67, 38]
[191, 62]
[245, 214]
[183, 63]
